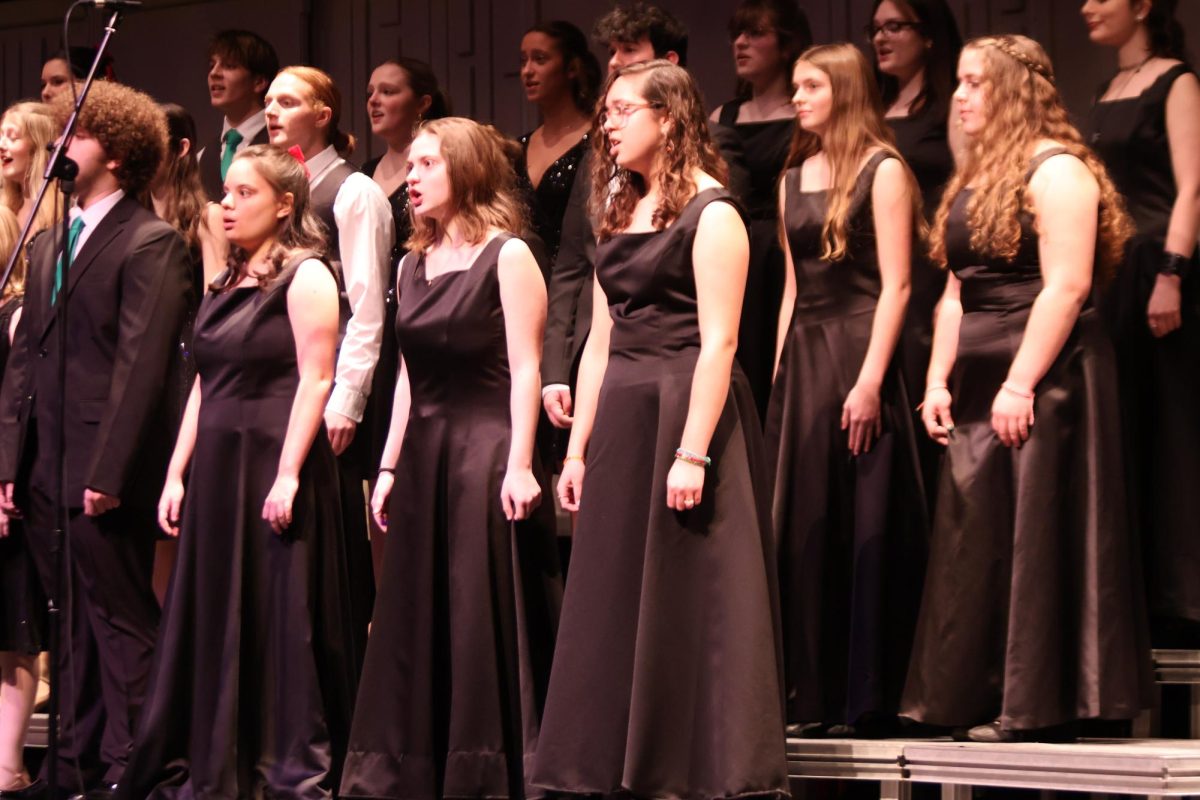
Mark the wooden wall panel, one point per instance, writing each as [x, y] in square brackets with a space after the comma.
[472, 44]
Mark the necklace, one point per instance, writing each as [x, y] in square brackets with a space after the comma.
[1102, 108]
[762, 114]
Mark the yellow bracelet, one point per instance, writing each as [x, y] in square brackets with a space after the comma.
[573, 458]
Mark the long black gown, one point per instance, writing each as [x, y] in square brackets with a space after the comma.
[383, 383]
[762, 154]
[666, 678]
[254, 676]
[923, 140]
[22, 602]
[461, 642]
[1160, 378]
[1032, 613]
[852, 531]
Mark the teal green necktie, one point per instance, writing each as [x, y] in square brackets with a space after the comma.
[232, 140]
[72, 238]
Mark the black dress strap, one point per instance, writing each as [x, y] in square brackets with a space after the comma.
[1158, 91]
[1041, 158]
[729, 113]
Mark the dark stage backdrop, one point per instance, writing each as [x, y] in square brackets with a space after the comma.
[472, 44]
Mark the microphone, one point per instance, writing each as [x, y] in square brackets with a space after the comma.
[115, 5]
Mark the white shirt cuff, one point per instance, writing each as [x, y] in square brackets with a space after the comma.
[347, 401]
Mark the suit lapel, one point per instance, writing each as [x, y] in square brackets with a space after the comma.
[106, 231]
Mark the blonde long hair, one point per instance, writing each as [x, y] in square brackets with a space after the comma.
[1024, 107]
[483, 184]
[39, 124]
[856, 127]
[687, 147]
[10, 231]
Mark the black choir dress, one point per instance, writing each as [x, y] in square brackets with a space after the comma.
[383, 383]
[548, 200]
[923, 141]
[763, 153]
[22, 603]
[1160, 378]
[852, 531]
[459, 654]
[1032, 613]
[254, 673]
[667, 675]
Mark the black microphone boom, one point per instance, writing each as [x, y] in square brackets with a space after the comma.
[116, 5]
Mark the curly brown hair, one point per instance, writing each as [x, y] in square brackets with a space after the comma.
[1024, 107]
[130, 127]
[686, 147]
[483, 183]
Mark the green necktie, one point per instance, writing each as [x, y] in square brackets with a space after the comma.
[232, 140]
[72, 238]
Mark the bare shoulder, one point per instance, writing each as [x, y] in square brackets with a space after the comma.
[1185, 88]
[720, 223]
[513, 251]
[705, 181]
[312, 279]
[515, 261]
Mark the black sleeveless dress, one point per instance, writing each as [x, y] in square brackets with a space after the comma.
[923, 140]
[852, 531]
[22, 602]
[383, 382]
[1032, 612]
[666, 678]
[762, 154]
[254, 675]
[1160, 378]
[463, 633]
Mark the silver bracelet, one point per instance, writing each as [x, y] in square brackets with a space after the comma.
[1013, 390]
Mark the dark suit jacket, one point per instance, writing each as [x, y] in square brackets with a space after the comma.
[128, 295]
[210, 165]
[569, 314]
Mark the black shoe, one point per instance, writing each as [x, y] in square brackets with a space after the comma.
[104, 791]
[807, 730]
[35, 789]
[992, 733]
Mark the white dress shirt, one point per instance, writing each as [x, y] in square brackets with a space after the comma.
[93, 215]
[251, 126]
[365, 235]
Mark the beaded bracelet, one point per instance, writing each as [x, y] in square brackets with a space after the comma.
[1006, 386]
[695, 459]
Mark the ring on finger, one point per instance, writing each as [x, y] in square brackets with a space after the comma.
[689, 502]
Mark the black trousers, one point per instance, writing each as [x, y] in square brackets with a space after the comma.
[109, 623]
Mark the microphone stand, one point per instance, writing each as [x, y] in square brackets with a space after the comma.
[64, 169]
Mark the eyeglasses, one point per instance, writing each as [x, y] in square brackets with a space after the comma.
[892, 27]
[619, 115]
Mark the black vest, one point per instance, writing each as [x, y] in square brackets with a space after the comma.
[210, 166]
[321, 200]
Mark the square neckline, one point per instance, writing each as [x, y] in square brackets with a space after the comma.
[474, 262]
[686, 206]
